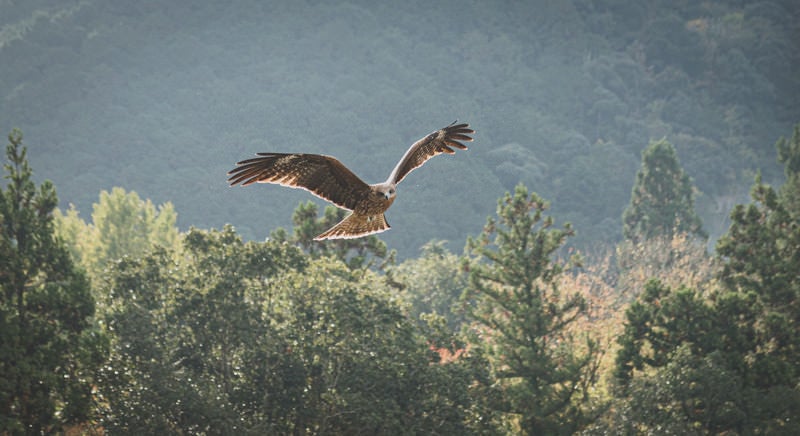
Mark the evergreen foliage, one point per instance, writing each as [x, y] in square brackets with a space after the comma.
[662, 200]
[722, 362]
[542, 372]
[48, 346]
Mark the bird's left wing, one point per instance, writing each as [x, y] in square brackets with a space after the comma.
[323, 176]
[435, 143]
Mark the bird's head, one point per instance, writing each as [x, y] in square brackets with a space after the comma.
[389, 193]
[386, 190]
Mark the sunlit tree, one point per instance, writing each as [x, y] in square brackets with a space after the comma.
[722, 360]
[675, 260]
[122, 225]
[542, 371]
[433, 283]
[261, 338]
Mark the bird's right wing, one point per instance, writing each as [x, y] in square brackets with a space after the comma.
[323, 176]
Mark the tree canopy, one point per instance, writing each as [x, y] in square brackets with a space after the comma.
[723, 360]
[669, 305]
[217, 334]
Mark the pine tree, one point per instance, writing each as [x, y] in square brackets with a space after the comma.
[723, 361]
[662, 200]
[762, 261]
[48, 350]
[542, 372]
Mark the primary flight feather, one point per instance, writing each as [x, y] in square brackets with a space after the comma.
[329, 179]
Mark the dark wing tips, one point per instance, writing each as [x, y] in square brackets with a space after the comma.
[252, 170]
[455, 144]
[462, 128]
[455, 133]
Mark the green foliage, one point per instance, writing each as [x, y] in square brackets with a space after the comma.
[762, 259]
[122, 225]
[687, 363]
[725, 362]
[658, 323]
[125, 225]
[75, 233]
[258, 338]
[48, 347]
[433, 284]
[187, 336]
[761, 262]
[542, 372]
[366, 369]
[690, 395]
[662, 201]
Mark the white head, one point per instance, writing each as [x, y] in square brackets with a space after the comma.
[387, 190]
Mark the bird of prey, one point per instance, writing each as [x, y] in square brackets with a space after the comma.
[327, 178]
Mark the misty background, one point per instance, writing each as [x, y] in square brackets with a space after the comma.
[162, 98]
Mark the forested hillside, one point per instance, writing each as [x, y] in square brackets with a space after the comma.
[616, 253]
[124, 325]
[163, 97]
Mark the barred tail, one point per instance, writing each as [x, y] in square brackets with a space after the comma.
[355, 226]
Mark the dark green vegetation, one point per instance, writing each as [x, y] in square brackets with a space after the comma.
[49, 349]
[116, 321]
[203, 333]
[163, 97]
[662, 199]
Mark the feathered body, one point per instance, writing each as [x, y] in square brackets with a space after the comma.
[327, 178]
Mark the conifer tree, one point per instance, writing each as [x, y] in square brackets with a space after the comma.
[662, 200]
[723, 361]
[542, 372]
[48, 350]
[762, 261]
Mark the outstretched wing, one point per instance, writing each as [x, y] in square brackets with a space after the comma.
[437, 142]
[323, 176]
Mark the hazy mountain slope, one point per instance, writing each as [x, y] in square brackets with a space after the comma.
[163, 97]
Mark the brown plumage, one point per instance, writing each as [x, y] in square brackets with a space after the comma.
[327, 178]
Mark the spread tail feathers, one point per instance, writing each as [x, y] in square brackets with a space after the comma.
[355, 226]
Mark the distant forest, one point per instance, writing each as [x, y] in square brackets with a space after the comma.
[616, 253]
[163, 97]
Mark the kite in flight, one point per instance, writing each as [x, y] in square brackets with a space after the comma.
[327, 178]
